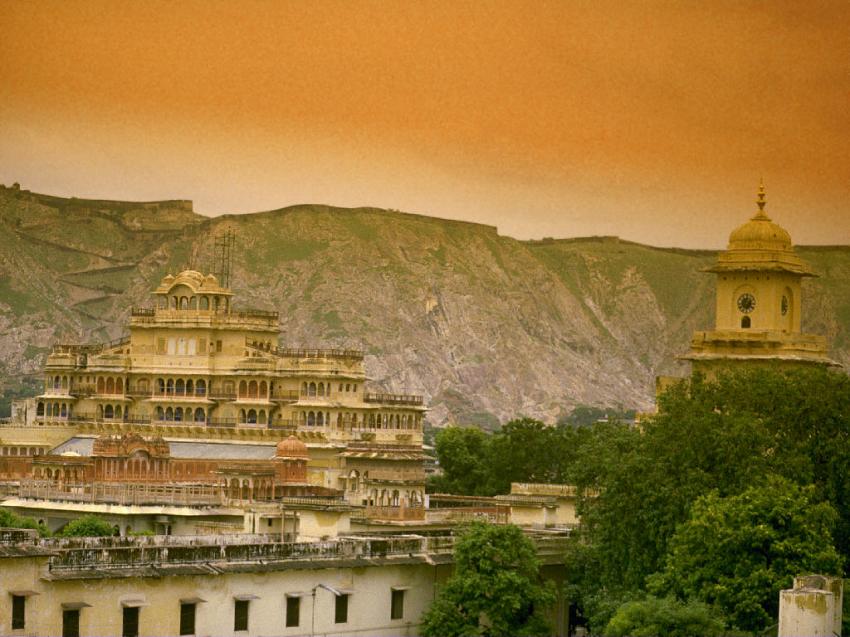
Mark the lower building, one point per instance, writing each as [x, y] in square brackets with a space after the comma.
[230, 585]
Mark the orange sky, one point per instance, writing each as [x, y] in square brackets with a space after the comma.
[653, 121]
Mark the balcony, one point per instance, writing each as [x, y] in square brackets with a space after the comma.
[216, 394]
[288, 395]
[393, 399]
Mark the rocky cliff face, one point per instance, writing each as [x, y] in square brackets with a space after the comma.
[485, 326]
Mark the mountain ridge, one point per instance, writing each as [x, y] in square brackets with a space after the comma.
[486, 326]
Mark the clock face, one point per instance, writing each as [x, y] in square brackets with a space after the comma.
[784, 305]
[746, 303]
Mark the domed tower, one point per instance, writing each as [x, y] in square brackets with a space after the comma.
[758, 309]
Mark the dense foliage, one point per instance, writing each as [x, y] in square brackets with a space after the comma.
[495, 590]
[737, 552]
[11, 521]
[87, 526]
[524, 450]
[666, 617]
[724, 450]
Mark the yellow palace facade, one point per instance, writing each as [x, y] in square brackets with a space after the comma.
[194, 366]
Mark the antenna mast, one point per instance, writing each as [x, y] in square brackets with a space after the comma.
[223, 266]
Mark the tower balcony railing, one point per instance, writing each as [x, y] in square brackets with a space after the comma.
[285, 395]
[305, 352]
[393, 399]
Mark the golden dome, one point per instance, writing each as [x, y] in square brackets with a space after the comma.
[760, 246]
[760, 233]
[291, 448]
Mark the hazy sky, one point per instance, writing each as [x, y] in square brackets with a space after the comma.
[652, 121]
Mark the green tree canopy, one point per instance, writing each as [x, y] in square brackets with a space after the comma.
[463, 455]
[495, 590]
[738, 552]
[665, 617]
[12, 521]
[87, 526]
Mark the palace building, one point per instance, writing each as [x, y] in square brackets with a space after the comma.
[758, 307]
[199, 394]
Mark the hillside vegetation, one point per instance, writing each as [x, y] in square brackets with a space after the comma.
[485, 326]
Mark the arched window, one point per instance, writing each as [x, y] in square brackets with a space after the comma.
[201, 387]
[119, 386]
[184, 303]
[252, 416]
[57, 382]
[39, 410]
[179, 387]
[745, 323]
[205, 303]
[64, 412]
[312, 390]
[160, 385]
[320, 419]
[110, 385]
[261, 417]
[303, 389]
[199, 415]
[64, 382]
[160, 413]
[169, 386]
[311, 419]
[190, 387]
[252, 389]
[264, 389]
[243, 388]
[118, 411]
[169, 414]
[193, 303]
[178, 414]
[321, 389]
[108, 411]
[101, 386]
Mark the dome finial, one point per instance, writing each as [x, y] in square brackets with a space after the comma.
[761, 201]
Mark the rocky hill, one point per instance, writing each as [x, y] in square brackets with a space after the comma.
[485, 326]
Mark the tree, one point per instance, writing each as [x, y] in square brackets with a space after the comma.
[665, 617]
[87, 526]
[738, 552]
[463, 457]
[495, 590]
[721, 435]
[11, 521]
[526, 450]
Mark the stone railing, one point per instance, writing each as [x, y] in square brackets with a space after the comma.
[130, 553]
[393, 399]
[124, 493]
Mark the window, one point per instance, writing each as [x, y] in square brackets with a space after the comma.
[397, 608]
[187, 618]
[341, 609]
[71, 623]
[293, 611]
[240, 615]
[19, 611]
[218, 346]
[130, 624]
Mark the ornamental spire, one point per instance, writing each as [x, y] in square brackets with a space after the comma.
[761, 201]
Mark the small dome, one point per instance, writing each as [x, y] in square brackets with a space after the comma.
[291, 448]
[760, 233]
